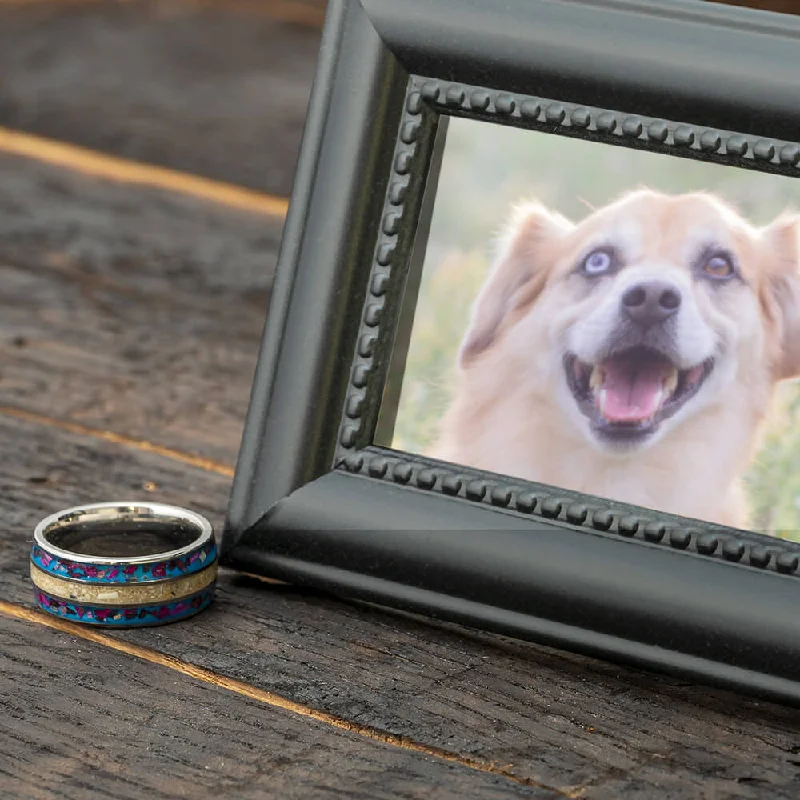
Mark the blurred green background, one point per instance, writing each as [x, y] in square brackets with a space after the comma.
[486, 169]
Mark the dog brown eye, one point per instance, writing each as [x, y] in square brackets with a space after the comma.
[718, 267]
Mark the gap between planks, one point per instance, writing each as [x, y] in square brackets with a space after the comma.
[22, 613]
[121, 170]
[279, 10]
[206, 464]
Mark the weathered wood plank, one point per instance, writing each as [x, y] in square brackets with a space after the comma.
[148, 239]
[44, 469]
[82, 721]
[589, 728]
[139, 311]
[130, 309]
[780, 6]
[210, 88]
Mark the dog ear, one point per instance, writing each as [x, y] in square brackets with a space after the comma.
[517, 275]
[781, 294]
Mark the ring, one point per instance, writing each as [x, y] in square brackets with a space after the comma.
[124, 564]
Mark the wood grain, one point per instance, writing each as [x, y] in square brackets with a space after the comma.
[130, 309]
[129, 313]
[200, 87]
[82, 721]
[585, 728]
[779, 6]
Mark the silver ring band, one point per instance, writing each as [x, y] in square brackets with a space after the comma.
[124, 564]
[185, 525]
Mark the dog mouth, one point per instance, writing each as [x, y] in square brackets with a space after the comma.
[629, 394]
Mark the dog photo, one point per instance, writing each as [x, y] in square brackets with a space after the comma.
[614, 322]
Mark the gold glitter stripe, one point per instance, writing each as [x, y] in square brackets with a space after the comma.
[121, 594]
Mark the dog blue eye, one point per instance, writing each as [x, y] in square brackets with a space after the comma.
[597, 262]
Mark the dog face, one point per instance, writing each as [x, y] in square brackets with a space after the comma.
[649, 311]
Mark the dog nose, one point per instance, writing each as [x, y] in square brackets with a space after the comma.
[651, 302]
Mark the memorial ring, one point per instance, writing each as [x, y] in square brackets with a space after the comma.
[124, 564]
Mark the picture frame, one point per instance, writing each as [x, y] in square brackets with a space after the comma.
[315, 501]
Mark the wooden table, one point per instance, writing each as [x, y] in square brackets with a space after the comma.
[132, 304]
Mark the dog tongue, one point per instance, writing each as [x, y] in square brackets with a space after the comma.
[632, 391]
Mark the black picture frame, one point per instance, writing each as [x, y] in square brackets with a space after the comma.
[316, 502]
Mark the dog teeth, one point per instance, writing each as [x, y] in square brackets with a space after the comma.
[596, 379]
[670, 383]
[602, 397]
[694, 375]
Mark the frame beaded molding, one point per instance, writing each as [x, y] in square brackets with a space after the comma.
[525, 499]
[613, 127]
[354, 453]
[395, 238]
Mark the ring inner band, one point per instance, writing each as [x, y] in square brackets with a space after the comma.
[129, 537]
[131, 534]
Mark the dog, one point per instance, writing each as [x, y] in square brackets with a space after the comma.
[631, 356]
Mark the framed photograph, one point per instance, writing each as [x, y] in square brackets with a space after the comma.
[531, 356]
